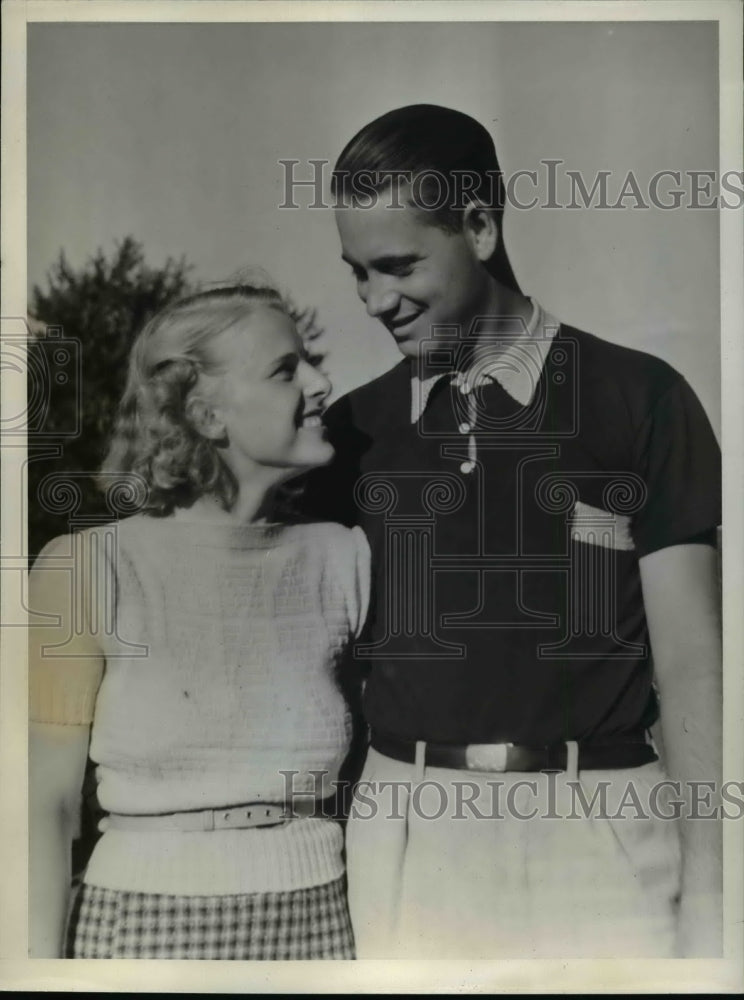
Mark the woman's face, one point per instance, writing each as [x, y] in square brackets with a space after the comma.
[268, 400]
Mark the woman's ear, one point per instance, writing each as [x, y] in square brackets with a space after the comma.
[481, 230]
[205, 419]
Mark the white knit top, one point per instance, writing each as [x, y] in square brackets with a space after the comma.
[220, 644]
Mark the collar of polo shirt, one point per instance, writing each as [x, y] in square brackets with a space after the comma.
[508, 368]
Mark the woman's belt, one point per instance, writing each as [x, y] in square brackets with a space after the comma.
[510, 757]
[253, 814]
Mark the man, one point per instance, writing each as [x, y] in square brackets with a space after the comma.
[541, 507]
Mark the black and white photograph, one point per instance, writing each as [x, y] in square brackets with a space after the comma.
[372, 543]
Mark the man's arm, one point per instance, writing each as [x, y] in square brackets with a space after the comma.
[680, 591]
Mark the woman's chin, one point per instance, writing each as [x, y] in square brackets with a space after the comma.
[324, 453]
[314, 454]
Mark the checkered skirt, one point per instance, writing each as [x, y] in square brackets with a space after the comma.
[301, 924]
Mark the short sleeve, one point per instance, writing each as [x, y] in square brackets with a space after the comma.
[679, 461]
[65, 660]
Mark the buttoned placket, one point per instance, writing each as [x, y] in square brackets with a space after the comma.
[468, 426]
[466, 387]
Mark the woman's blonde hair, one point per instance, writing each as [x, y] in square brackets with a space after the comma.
[154, 444]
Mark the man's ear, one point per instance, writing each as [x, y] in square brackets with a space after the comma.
[481, 230]
[205, 418]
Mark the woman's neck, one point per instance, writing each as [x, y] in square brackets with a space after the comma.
[250, 507]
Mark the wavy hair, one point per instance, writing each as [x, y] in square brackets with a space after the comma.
[154, 441]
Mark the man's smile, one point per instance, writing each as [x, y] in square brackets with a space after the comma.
[400, 324]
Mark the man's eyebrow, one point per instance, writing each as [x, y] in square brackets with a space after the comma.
[387, 260]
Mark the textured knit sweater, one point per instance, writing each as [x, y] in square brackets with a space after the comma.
[220, 647]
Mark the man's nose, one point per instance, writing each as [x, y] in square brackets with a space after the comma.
[316, 385]
[381, 299]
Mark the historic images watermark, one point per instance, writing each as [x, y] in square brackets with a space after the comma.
[548, 795]
[304, 185]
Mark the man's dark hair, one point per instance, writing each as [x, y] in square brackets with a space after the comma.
[449, 157]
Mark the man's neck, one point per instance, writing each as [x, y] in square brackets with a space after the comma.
[503, 314]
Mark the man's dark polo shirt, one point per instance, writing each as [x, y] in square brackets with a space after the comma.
[507, 602]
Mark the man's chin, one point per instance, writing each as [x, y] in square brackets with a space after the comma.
[409, 347]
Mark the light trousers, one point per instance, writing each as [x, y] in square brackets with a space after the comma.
[471, 865]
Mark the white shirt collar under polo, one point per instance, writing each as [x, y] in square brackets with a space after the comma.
[516, 367]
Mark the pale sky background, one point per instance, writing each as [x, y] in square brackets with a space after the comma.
[173, 132]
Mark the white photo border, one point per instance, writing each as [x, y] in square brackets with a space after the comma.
[595, 976]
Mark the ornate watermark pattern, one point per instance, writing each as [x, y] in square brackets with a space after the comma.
[48, 367]
[493, 461]
[90, 564]
[44, 364]
[409, 561]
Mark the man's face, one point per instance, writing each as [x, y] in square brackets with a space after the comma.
[410, 274]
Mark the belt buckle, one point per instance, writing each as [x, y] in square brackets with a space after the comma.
[486, 756]
[241, 817]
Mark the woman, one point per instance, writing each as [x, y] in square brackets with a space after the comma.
[195, 643]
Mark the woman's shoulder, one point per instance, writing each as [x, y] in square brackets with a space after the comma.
[329, 534]
[68, 544]
[101, 541]
[345, 557]
[345, 549]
